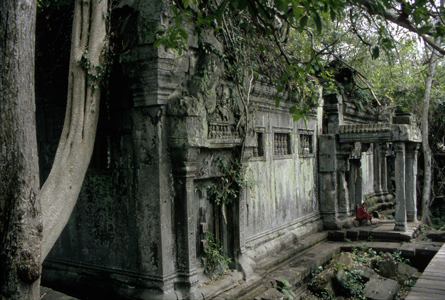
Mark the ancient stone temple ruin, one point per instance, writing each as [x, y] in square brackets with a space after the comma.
[170, 126]
[356, 160]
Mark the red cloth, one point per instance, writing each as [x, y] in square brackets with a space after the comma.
[362, 214]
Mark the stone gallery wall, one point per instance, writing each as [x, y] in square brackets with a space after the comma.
[285, 198]
[170, 121]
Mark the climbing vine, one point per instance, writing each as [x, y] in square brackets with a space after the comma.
[96, 73]
[226, 189]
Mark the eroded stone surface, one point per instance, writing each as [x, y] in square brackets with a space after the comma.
[380, 288]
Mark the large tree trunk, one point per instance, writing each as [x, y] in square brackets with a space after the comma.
[61, 189]
[427, 155]
[20, 219]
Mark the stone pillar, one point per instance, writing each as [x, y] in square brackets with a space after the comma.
[384, 169]
[342, 156]
[153, 208]
[352, 186]
[343, 195]
[399, 150]
[355, 186]
[377, 170]
[328, 181]
[359, 186]
[243, 262]
[184, 171]
[411, 181]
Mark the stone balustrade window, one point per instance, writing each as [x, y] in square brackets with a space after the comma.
[282, 144]
[222, 131]
[306, 143]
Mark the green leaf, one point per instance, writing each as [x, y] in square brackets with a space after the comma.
[297, 11]
[293, 110]
[333, 14]
[183, 33]
[157, 43]
[220, 12]
[417, 17]
[425, 29]
[303, 22]
[199, 20]
[281, 5]
[317, 21]
[296, 117]
[375, 52]
[383, 31]
[284, 78]
[186, 3]
[234, 4]
[280, 88]
[277, 101]
[209, 19]
[242, 4]
[440, 30]
[387, 43]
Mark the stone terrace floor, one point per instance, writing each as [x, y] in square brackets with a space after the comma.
[381, 230]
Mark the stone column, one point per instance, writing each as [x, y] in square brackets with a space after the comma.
[343, 195]
[153, 206]
[352, 187]
[383, 169]
[328, 181]
[184, 171]
[355, 186]
[399, 150]
[377, 170]
[359, 186]
[243, 262]
[411, 180]
[342, 156]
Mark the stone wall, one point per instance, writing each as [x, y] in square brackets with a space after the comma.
[286, 189]
[139, 227]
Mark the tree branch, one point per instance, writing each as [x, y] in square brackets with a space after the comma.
[403, 22]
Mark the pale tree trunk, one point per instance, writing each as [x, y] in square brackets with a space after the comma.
[20, 219]
[61, 189]
[427, 155]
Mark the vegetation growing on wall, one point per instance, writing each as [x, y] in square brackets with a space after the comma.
[215, 261]
[226, 189]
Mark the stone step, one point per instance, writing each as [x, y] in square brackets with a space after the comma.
[275, 260]
[295, 269]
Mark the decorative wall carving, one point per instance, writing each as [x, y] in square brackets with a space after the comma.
[207, 166]
[220, 100]
[357, 151]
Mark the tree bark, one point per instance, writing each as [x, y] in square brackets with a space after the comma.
[427, 154]
[61, 190]
[20, 219]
